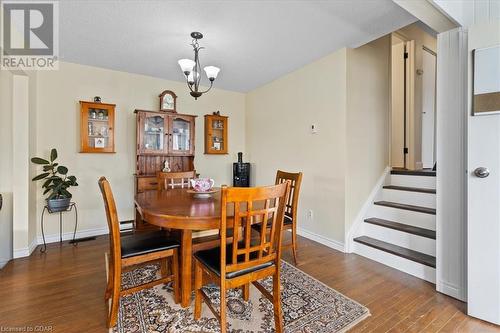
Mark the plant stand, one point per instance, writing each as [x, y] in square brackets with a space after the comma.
[71, 207]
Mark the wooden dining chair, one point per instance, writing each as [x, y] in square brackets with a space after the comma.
[290, 221]
[240, 263]
[126, 251]
[170, 180]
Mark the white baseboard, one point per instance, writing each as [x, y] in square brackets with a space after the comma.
[25, 251]
[356, 225]
[450, 290]
[331, 243]
[3, 263]
[53, 238]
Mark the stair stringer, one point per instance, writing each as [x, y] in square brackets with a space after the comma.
[375, 194]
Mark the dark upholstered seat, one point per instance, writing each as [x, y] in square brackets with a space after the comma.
[147, 242]
[211, 259]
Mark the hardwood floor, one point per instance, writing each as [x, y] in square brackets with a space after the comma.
[64, 289]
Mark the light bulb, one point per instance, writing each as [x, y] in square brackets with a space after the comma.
[192, 77]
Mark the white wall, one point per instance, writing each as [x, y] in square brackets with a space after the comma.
[58, 122]
[469, 12]
[278, 136]
[368, 110]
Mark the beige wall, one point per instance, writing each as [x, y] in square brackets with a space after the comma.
[368, 110]
[6, 131]
[346, 94]
[18, 134]
[58, 125]
[278, 136]
[421, 38]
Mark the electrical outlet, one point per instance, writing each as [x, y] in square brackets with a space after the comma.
[310, 214]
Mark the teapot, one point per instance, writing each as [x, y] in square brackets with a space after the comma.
[202, 184]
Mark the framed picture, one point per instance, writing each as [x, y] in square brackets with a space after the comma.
[168, 101]
[99, 143]
[486, 81]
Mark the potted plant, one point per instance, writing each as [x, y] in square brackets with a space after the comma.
[56, 182]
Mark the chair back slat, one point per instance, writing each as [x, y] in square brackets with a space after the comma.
[295, 180]
[112, 218]
[264, 206]
[170, 180]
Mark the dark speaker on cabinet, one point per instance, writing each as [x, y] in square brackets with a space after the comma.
[241, 173]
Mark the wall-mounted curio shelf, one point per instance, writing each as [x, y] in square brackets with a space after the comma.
[216, 134]
[97, 123]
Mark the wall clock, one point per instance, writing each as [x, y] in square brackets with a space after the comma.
[168, 101]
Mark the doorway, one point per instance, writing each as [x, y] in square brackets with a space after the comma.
[413, 98]
[428, 108]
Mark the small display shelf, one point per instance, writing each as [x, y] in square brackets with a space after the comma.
[216, 134]
[96, 128]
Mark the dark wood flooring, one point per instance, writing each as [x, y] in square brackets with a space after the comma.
[63, 290]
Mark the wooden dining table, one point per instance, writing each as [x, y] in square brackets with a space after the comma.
[177, 209]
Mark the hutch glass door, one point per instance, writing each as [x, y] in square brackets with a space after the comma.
[181, 135]
[154, 135]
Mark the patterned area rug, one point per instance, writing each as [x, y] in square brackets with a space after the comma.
[308, 306]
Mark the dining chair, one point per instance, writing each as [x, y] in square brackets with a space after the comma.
[238, 263]
[170, 180]
[130, 250]
[290, 221]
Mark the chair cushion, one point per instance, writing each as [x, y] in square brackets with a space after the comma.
[147, 242]
[211, 259]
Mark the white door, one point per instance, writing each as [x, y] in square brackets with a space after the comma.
[428, 108]
[398, 105]
[484, 193]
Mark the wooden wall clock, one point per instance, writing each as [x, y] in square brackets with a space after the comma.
[168, 101]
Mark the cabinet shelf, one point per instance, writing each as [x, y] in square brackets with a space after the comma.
[155, 147]
[216, 134]
[97, 143]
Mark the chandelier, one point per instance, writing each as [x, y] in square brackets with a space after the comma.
[192, 69]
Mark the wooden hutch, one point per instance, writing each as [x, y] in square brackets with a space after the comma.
[162, 136]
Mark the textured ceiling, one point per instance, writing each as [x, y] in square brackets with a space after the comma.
[253, 42]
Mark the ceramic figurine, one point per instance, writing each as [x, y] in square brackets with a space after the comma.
[166, 166]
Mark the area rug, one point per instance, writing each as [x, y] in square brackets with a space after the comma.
[308, 305]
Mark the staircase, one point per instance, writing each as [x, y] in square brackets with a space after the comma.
[399, 229]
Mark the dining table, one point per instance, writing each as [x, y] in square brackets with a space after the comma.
[181, 210]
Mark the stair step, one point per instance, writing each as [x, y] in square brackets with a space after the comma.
[410, 189]
[413, 208]
[399, 251]
[402, 227]
[428, 173]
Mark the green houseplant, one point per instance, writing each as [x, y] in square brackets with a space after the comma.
[56, 182]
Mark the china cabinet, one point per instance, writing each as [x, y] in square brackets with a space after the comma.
[97, 121]
[162, 137]
[216, 134]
